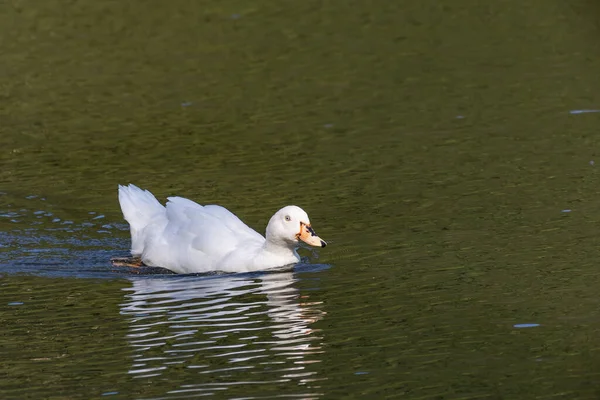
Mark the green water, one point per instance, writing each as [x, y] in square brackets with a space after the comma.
[440, 149]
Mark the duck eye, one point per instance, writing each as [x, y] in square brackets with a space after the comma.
[287, 218]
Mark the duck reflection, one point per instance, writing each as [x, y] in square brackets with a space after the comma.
[251, 328]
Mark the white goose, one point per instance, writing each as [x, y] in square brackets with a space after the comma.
[186, 237]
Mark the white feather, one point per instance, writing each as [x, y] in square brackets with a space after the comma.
[187, 237]
[140, 208]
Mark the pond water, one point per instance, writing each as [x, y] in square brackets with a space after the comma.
[448, 154]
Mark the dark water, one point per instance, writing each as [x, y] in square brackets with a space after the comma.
[448, 153]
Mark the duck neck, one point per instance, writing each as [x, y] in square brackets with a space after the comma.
[281, 249]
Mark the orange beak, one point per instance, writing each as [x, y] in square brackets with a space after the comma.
[308, 236]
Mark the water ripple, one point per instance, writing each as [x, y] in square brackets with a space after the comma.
[44, 238]
[229, 327]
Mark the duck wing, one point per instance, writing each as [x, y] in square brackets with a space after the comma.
[212, 230]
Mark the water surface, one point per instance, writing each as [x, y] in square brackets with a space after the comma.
[446, 152]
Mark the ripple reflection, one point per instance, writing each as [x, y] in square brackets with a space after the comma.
[208, 334]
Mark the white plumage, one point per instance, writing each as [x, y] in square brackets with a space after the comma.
[186, 237]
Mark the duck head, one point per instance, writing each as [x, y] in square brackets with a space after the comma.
[291, 224]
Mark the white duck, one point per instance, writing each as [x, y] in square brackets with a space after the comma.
[186, 237]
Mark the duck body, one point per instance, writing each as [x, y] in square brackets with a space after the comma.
[186, 237]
